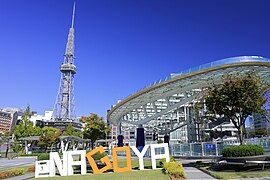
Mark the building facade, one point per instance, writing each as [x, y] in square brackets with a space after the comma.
[8, 119]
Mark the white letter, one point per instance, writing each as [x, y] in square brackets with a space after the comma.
[155, 156]
[71, 163]
[42, 169]
[140, 154]
[55, 160]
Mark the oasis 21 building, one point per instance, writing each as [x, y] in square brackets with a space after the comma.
[166, 107]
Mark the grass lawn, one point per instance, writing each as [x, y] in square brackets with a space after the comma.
[148, 173]
[238, 175]
[231, 175]
[134, 175]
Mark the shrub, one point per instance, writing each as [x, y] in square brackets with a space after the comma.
[242, 150]
[31, 169]
[162, 161]
[44, 156]
[11, 173]
[99, 155]
[174, 169]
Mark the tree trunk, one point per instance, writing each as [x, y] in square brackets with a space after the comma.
[240, 134]
[92, 145]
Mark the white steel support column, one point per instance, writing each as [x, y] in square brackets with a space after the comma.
[202, 144]
[216, 149]
[144, 110]
[168, 101]
[138, 116]
[155, 107]
[131, 115]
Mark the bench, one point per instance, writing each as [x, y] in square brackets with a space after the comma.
[224, 162]
[258, 162]
[243, 163]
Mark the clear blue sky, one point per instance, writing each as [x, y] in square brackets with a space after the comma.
[120, 45]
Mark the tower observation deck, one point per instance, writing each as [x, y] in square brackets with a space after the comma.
[64, 108]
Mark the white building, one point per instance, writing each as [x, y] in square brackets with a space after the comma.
[37, 118]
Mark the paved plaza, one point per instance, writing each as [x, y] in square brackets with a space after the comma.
[16, 162]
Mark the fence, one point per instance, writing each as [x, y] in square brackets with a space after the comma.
[213, 148]
[203, 148]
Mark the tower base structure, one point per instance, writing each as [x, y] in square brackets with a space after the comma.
[62, 125]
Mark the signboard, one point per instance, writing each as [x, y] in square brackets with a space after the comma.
[210, 146]
[47, 168]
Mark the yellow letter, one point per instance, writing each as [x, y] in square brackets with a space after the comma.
[115, 159]
[93, 164]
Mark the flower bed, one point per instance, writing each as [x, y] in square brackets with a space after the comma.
[16, 172]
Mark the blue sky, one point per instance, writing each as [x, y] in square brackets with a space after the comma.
[120, 45]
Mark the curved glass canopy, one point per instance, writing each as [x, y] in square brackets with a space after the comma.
[164, 106]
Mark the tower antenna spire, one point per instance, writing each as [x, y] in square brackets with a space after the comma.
[73, 14]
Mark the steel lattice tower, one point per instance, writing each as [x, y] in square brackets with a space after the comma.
[64, 108]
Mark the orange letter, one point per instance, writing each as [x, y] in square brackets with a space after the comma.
[115, 159]
[93, 164]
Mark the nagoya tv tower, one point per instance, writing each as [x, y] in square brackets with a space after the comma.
[64, 108]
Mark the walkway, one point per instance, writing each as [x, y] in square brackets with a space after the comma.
[26, 176]
[192, 172]
[16, 162]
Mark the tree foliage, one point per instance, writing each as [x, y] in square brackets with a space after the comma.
[26, 127]
[236, 98]
[17, 147]
[95, 128]
[261, 131]
[4, 138]
[49, 137]
[70, 131]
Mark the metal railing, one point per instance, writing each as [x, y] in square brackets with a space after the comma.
[203, 149]
[214, 148]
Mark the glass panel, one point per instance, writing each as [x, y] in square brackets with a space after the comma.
[196, 149]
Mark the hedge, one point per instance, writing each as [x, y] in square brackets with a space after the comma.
[26, 155]
[242, 150]
[43, 156]
[174, 169]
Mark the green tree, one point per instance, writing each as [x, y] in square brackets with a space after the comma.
[261, 131]
[236, 98]
[26, 127]
[70, 131]
[17, 147]
[49, 137]
[4, 138]
[95, 128]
